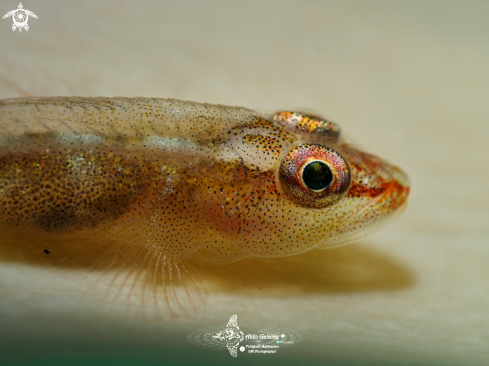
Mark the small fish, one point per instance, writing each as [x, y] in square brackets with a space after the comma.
[102, 182]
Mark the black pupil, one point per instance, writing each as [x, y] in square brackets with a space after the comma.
[317, 175]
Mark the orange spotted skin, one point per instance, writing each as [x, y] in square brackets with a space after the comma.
[186, 181]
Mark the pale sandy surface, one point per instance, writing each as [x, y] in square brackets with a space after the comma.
[408, 81]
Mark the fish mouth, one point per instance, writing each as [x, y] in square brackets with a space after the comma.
[385, 207]
[391, 202]
[393, 183]
[398, 176]
[397, 190]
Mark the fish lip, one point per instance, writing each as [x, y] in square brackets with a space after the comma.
[398, 182]
[391, 215]
[398, 185]
[397, 192]
[401, 179]
[399, 176]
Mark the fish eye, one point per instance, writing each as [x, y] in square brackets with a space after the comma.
[317, 175]
[313, 175]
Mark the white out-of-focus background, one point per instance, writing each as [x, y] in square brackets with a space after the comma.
[407, 80]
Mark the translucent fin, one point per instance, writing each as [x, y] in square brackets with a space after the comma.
[117, 273]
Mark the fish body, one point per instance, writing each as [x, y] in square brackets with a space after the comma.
[186, 181]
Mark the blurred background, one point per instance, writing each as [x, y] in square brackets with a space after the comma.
[407, 80]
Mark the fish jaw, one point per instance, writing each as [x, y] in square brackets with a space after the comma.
[378, 193]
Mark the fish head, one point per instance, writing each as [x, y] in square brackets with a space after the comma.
[291, 183]
[340, 192]
[314, 189]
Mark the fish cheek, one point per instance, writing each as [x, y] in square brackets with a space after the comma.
[236, 213]
[274, 224]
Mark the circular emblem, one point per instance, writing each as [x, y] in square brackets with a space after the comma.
[20, 18]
